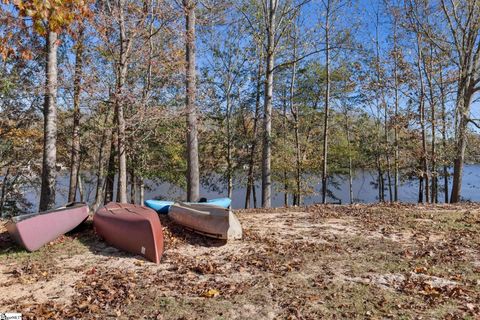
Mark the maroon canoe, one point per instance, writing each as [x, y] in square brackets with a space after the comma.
[131, 228]
[34, 230]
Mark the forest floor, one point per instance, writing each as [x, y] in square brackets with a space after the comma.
[360, 261]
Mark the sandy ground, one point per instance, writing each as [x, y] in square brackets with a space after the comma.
[362, 261]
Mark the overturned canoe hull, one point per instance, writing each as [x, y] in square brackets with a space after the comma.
[32, 231]
[162, 206]
[132, 228]
[209, 220]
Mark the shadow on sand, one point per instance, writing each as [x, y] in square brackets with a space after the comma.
[86, 235]
[176, 231]
[7, 245]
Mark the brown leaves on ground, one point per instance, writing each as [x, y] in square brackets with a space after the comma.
[101, 291]
[105, 289]
[193, 277]
[31, 271]
[359, 261]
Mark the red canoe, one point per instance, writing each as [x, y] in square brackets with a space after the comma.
[131, 228]
[34, 230]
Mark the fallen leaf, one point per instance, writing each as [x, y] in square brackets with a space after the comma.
[420, 270]
[211, 293]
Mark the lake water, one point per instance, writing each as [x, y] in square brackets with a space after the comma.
[363, 190]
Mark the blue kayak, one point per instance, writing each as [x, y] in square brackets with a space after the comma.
[163, 206]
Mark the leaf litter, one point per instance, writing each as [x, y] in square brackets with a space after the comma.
[358, 261]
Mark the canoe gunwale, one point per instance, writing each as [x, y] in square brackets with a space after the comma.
[68, 206]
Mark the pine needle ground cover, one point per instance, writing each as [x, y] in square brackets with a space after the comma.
[361, 261]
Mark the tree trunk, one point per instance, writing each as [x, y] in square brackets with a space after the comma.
[111, 171]
[429, 75]
[466, 92]
[350, 179]
[381, 185]
[387, 150]
[421, 111]
[100, 189]
[284, 133]
[119, 103]
[139, 184]
[458, 166]
[295, 113]
[251, 163]
[267, 114]
[75, 156]
[395, 125]
[133, 186]
[420, 189]
[298, 162]
[387, 143]
[142, 192]
[350, 167]
[193, 173]
[382, 148]
[80, 188]
[47, 196]
[444, 134]
[122, 158]
[229, 146]
[460, 148]
[4, 191]
[327, 105]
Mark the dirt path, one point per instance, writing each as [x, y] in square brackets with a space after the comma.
[300, 263]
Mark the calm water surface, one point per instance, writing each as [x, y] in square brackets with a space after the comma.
[364, 190]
